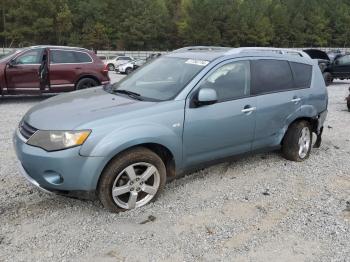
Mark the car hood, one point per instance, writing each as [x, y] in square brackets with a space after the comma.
[71, 110]
[317, 54]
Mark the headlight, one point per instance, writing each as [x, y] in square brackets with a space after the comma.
[58, 140]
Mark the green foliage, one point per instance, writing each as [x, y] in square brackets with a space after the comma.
[168, 24]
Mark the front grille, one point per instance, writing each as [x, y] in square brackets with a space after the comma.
[26, 130]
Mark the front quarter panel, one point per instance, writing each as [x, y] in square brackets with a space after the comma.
[161, 125]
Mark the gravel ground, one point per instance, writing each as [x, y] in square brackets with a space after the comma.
[259, 208]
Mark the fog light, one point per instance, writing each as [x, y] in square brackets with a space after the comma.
[53, 177]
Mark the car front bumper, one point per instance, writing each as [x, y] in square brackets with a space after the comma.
[64, 171]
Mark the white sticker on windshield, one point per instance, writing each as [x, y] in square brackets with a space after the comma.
[197, 62]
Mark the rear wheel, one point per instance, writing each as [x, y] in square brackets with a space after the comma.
[348, 103]
[132, 180]
[86, 83]
[111, 67]
[327, 78]
[297, 142]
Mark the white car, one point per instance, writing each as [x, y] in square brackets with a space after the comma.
[112, 64]
[127, 68]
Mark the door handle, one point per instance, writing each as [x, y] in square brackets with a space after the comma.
[296, 100]
[248, 109]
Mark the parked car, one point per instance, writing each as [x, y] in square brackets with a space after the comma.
[50, 69]
[339, 68]
[153, 56]
[112, 64]
[334, 54]
[127, 68]
[182, 111]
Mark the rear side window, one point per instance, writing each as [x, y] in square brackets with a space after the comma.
[302, 74]
[69, 57]
[82, 57]
[270, 76]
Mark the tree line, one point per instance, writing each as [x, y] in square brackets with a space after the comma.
[168, 24]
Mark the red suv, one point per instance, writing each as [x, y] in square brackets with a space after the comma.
[50, 69]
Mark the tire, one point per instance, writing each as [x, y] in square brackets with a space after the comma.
[86, 83]
[124, 176]
[348, 103]
[328, 79]
[111, 67]
[297, 141]
[128, 71]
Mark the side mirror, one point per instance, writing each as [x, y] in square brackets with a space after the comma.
[206, 96]
[12, 63]
[336, 62]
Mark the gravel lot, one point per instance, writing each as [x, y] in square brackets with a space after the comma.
[259, 208]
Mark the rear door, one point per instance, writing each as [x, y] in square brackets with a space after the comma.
[23, 72]
[278, 100]
[66, 66]
[341, 67]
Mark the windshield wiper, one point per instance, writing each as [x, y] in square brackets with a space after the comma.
[129, 93]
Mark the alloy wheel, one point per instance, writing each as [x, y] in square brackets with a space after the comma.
[304, 142]
[136, 185]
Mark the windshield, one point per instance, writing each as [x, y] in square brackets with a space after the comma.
[162, 79]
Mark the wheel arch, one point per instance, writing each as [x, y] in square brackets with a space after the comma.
[87, 76]
[162, 151]
[311, 120]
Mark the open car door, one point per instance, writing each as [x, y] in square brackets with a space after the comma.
[44, 71]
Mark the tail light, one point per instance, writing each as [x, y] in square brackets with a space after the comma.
[105, 69]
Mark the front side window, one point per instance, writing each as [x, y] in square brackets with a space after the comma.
[231, 81]
[269, 76]
[30, 57]
[162, 79]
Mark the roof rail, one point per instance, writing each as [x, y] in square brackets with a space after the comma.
[282, 51]
[57, 46]
[202, 48]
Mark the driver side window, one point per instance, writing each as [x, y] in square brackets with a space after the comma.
[231, 81]
[30, 57]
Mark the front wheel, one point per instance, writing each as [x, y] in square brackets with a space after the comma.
[297, 142]
[131, 180]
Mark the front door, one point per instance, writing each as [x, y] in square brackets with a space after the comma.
[22, 71]
[225, 128]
